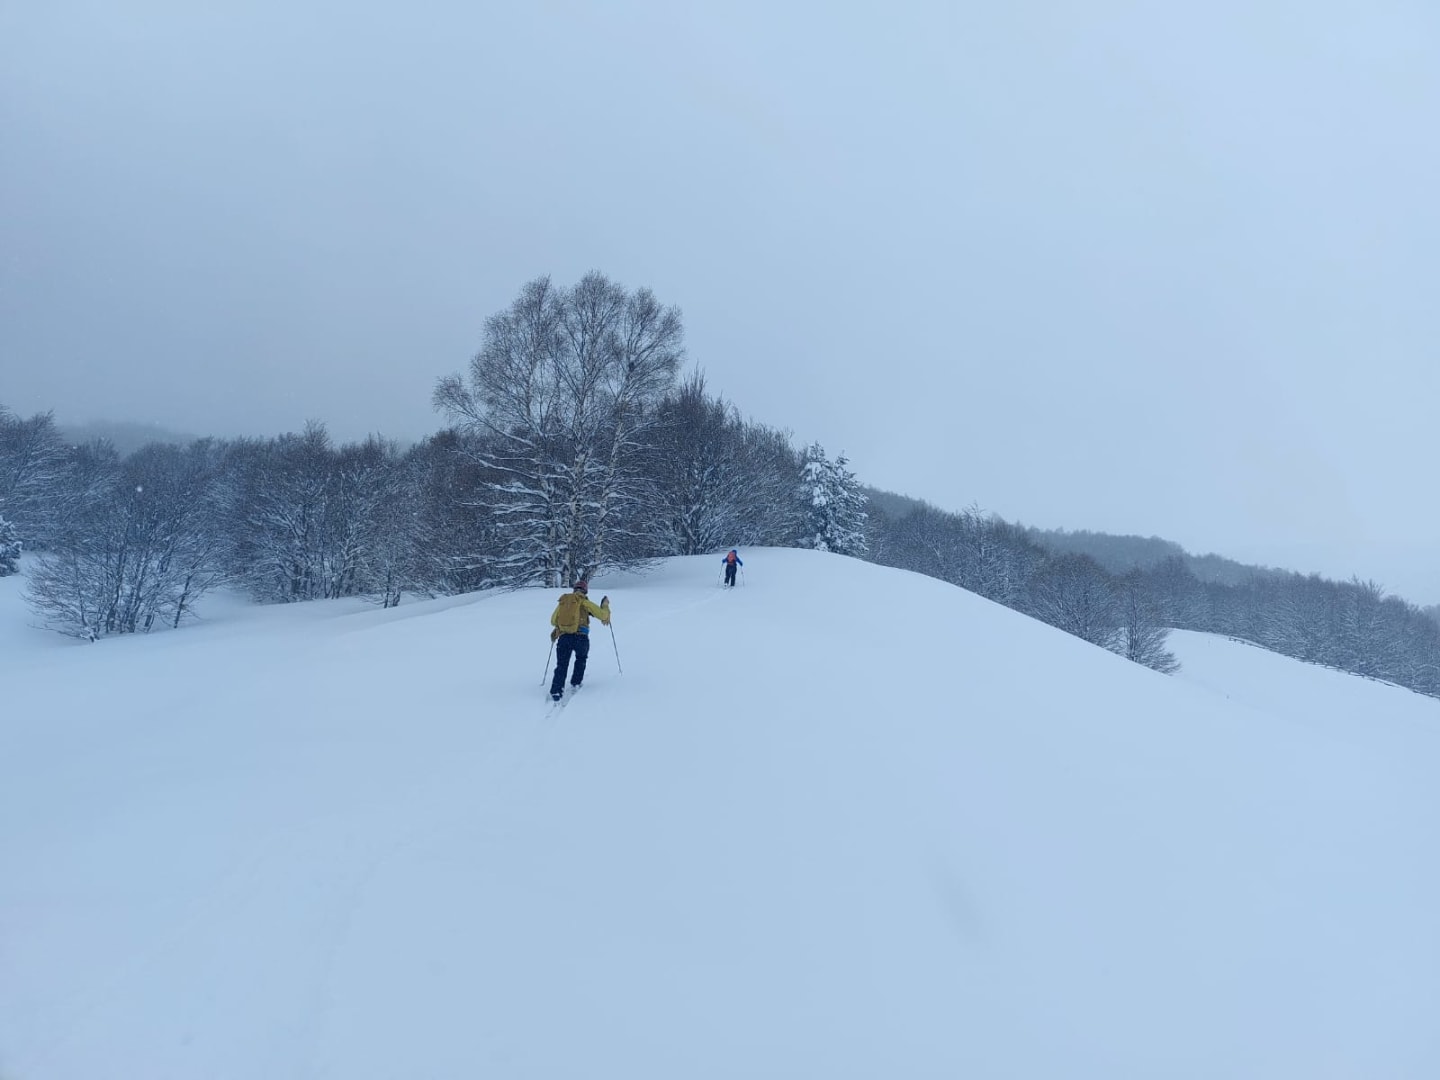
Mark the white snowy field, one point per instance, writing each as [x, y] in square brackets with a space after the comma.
[840, 821]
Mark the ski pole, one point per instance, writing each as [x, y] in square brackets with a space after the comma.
[617, 650]
[546, 675]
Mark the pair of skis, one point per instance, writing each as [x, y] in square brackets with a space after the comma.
[565, 698]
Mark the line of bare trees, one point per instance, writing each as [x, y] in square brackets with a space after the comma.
[1353, 626]
[575, 449]
[1000, 562]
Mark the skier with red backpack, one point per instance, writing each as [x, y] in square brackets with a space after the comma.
[731, 561]
[571, 633]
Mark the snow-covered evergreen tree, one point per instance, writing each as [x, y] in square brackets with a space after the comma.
[835, 517]
[9, 548]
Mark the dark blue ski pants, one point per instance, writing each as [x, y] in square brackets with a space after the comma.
[579, 644]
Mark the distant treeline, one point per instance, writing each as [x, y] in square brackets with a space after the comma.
[1121, 554]
[1116, 590]
[575, 447]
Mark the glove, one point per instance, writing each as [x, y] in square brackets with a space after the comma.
[555, 634]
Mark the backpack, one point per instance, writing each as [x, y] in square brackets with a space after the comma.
[567, 615]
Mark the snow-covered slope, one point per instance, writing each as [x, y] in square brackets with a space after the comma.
[840, 821]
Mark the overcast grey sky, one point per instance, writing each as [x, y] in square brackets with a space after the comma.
[1151, 268]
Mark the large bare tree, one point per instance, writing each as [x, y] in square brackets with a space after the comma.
[562, 396]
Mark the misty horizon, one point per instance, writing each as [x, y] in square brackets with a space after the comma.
[1137, 271]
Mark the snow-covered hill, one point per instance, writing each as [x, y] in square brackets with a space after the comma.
[840, 821]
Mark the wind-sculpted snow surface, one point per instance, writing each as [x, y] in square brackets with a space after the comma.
[841, 821]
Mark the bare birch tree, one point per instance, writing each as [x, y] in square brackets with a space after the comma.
[563, 391]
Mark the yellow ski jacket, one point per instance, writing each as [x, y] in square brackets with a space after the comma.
[588, 607]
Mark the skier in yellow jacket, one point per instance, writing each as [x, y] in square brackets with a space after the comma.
[571, 634]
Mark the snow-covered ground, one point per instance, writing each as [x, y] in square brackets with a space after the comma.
[840, 821]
